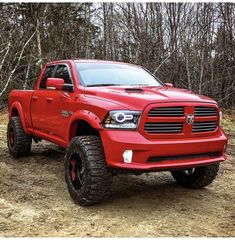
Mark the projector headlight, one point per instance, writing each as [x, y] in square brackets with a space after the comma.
[122, 119]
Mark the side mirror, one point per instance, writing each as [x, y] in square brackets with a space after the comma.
[58, 84]
[55, 83]
[169, 85]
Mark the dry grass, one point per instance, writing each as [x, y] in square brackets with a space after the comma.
[228, 124]
[3, 127]
[3, 118]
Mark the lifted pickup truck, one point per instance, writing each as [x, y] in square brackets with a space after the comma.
[113, 118]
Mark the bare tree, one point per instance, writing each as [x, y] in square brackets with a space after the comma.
[189, 44]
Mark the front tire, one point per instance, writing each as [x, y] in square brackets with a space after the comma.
[197, 178]
[86, 173]
[18, 142]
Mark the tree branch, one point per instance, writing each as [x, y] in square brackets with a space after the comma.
[17, 64]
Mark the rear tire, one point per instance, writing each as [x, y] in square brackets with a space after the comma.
[87, 176]
[199, 178]
[18, 142]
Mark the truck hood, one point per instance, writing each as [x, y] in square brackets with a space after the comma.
[139, 97]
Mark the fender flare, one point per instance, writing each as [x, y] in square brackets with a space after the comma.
[87, 116]
[19, 109]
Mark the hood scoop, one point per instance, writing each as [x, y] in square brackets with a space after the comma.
[138, 90]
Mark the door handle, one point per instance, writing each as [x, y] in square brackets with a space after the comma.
[35, 98]
[49, 99]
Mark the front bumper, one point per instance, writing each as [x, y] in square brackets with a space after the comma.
[115, 142]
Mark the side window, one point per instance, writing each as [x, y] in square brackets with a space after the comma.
[47, 74]
[62, 71]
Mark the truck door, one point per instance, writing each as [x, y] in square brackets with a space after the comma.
[39, 103]
[62, 105]
[52, 109]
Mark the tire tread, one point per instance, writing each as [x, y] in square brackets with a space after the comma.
[202, 177]
[23, 142]
[98, 184]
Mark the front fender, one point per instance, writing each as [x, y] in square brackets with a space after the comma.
[83, 115]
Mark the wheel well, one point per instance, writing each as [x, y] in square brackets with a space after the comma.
[82, 128]
[14, 112]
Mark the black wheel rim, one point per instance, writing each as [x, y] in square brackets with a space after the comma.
[76, 171]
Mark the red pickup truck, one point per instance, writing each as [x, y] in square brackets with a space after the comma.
[114, 118]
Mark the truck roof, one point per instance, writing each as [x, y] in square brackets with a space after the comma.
[90, 61]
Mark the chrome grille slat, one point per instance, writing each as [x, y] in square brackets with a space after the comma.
[163, 124]
[205, 108]
[202, 113]
[162, 131]
[167, 108]
[166, 112]
[205, 115]
[197, 126]
[205, 111]
[163, 127]
[156, 128]
[204, 130]
[211, 122]
[204, 126]
[165, 115]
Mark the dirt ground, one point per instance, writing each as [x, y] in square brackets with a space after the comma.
[34, 200]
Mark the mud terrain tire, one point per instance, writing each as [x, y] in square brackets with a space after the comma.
[87, 176]
[18, 142]
[200, 178]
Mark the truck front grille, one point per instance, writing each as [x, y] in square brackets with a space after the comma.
[166, 112]
[159, 127]
[205, 111]
[162, 121]
[204, 126]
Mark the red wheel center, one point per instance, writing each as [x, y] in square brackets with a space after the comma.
[11, 136]
[73, 174]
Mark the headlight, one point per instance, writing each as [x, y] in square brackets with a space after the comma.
[122, 119]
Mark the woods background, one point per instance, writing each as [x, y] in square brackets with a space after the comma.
[191, 45]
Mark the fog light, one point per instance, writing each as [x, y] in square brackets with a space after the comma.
[127, 156]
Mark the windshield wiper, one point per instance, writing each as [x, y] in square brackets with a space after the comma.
[102, 85]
